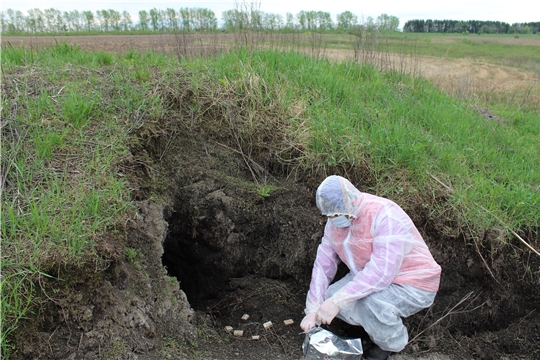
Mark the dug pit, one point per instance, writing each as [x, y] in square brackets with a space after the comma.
[237, 252]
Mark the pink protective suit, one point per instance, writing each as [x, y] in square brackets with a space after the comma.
[381, 248]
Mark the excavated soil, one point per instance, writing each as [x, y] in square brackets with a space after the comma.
[209, 248]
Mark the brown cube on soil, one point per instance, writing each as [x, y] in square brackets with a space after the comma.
[288, 322]
[255, 337]
[238, 332]
[228, 329]
[245, 317]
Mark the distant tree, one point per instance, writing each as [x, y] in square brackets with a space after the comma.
[429, 27]
[34, 20]
[290, 24]
[414, 26]
[114, 19]
[4, 22]
[19, 21]
[387, 23]
[235, 20]
[369, 24]
[308, 20]
[314, 20]
[54, 20]
[100, 21]
[144, 19]
[126, 23]
[68, 21]
[186, 19]
[457, 26]
[13, 25]
[524, 29]
[106, 19]
[272, 22]
[89, 19]
[155, 19]
[256, 20]
[78, 20]
[346, 20]
[207, 19]
[172, 19]
[228, 18]
[324, 21]
[302, 19]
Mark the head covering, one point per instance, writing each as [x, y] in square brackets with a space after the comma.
[337, 196]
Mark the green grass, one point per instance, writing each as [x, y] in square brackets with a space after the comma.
[69, 117]
[65, 129]
[485, 48]
[398, 123]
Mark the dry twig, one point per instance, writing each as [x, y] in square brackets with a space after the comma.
[450, 312]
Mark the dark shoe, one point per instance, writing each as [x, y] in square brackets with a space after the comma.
[376, 353]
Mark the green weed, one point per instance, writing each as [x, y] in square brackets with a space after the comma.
[47, 142]
[265, 190]
[132, 254]
[78, 110]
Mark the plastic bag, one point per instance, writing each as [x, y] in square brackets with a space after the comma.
[323, 344]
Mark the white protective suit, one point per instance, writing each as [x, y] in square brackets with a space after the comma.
[392, 272]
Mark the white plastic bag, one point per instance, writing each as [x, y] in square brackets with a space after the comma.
[321, 344]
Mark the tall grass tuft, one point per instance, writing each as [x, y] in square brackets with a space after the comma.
[64, 135]
[351, 113]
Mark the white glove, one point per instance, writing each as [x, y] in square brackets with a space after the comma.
[309, 322]
[327, 312]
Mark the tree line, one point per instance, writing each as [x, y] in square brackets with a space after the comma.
[470, 27]
[53, 21]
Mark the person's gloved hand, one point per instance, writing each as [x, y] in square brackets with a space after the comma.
[327, 312]
[309, 322]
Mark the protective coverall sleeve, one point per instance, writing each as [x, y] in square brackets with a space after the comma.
[324, 270]
[392, 240]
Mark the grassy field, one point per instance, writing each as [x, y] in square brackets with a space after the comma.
[68, 118]
[489, 48]
[522, 52]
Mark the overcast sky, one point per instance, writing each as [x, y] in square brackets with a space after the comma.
[496, 10]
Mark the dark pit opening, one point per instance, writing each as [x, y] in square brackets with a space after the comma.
[219, 232]
[193, 261]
